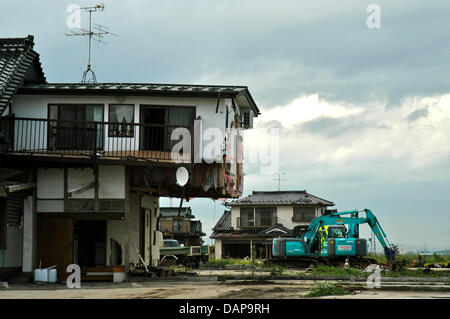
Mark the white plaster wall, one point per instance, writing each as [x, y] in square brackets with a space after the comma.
[117, 229]
[218, 249]
[36, 106]
[151, 206]
[285, 214]
[235, 213]
[50, 183]
[79, 177]
[111, 180]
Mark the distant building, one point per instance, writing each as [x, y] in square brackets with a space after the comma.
[179, 224]
[255, 220]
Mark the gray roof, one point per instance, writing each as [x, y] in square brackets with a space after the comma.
[19, 64]
[240, 93]
[223, 224]
[280, 198]
[276, 227]
[173, 212]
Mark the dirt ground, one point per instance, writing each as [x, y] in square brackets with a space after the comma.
[280, 289]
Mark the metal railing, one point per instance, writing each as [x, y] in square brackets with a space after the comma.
[90, 138]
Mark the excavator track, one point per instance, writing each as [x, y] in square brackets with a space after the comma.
[308, 262]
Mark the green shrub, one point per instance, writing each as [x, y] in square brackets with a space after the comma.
[277, 270]
[327, 289]
[337, 271]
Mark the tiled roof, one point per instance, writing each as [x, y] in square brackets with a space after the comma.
[173, 211]
[280, 198]
[18, 64]
[223, 224]
[155, 89]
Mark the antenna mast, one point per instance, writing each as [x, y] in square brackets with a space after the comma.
[97, 36]
[279, 179]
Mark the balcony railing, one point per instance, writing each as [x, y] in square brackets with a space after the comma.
[88, 138]
[258, 223]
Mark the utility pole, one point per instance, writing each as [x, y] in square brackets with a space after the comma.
[97, 36]
[373, 243]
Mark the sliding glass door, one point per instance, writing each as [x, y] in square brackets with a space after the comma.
[75, 129]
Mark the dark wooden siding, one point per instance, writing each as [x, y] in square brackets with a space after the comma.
[14, 209]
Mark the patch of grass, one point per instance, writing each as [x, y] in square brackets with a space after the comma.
[416, 273]
[327, 289]
[220, 263]
[337, 271]
[427, 259]
[277, 270]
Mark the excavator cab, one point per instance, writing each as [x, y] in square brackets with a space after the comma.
[337, 231]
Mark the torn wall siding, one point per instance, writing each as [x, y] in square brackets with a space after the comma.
[117, 233]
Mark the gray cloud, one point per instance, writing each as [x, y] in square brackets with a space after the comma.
[417, 114]
[280, 52]
[331, 127]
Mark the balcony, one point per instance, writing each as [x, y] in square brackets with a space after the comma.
[81, 139]
[260, 223]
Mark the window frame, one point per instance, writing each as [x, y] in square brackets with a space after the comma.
[110, 123]
[51, 125]
[298, 211]
[166, 125]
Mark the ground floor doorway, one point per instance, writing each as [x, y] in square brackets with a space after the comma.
[89, 242]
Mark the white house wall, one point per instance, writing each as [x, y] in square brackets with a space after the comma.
[284, 216]
[36, 106]
[79, 177]
[151, 206]
[111, 180]
[50, 185]
[121, 231]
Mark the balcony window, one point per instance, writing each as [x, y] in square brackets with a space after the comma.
[74, 128]
[304, 214]
[159, 122]
[123, 115]
[257, 217]
[265, 216]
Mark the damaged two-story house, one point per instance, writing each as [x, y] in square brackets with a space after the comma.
[82, 165]
[249, 226]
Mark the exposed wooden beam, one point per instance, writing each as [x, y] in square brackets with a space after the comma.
[19, 187]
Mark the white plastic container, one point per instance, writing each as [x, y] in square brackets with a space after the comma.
[41, 275]
[45, 275]
[52, 275]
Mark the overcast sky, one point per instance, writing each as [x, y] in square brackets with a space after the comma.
[364, 113]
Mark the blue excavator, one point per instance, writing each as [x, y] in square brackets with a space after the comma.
[326, 240]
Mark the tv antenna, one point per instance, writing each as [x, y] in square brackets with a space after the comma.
[279, 179]
[96, 35]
